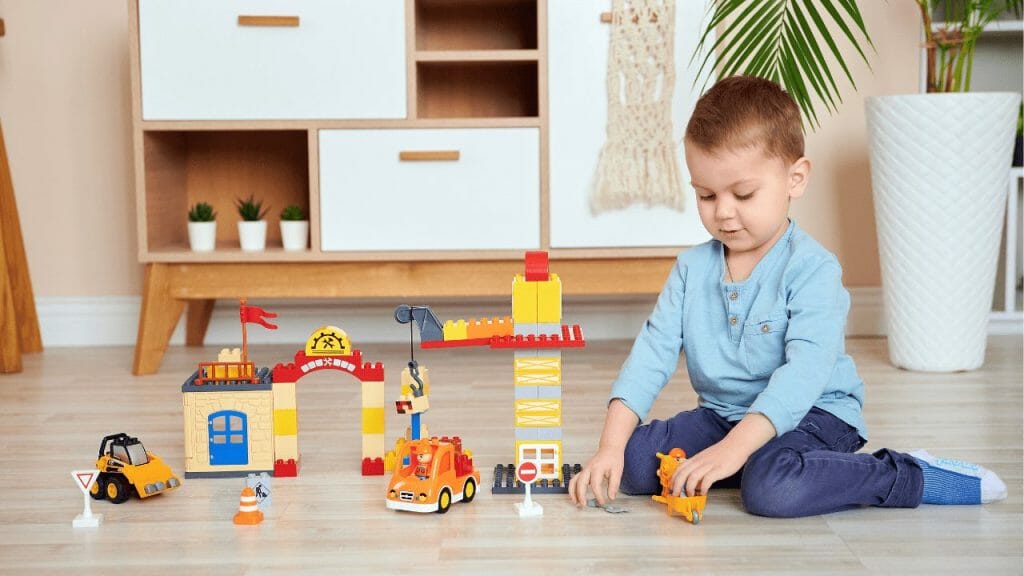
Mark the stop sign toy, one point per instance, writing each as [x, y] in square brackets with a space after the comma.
[527, 474]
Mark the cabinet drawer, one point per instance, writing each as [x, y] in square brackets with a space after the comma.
[344, 59]
[486, 199]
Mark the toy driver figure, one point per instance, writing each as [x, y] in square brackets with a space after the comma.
[423, 465]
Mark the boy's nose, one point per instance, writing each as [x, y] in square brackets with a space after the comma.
[724, 209]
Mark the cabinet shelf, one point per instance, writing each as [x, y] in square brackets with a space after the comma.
[476, 25]
[476, 56]
[506, 89]
[218, 167]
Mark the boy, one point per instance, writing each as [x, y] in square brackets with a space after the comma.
[760, 312]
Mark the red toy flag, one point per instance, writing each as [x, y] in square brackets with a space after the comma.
[256, 315]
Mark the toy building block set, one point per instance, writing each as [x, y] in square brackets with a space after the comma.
[241, 420]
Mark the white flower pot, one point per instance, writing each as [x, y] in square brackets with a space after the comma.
[202, 236]
[940, 165]
[294, 234]
[252, 235]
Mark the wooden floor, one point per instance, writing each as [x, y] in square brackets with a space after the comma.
[332, 520]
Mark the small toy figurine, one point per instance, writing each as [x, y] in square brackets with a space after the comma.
[690, 507]
[423, 465]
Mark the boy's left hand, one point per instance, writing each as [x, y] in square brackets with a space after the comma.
[696, 475]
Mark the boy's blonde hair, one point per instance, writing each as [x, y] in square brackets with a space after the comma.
[745, 111]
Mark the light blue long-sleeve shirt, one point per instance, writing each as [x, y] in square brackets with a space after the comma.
[773, 344]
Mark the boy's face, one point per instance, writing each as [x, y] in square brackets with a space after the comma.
[743, 195]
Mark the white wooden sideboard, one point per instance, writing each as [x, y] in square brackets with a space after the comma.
[430, 142]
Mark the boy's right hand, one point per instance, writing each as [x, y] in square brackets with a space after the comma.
[603, 469]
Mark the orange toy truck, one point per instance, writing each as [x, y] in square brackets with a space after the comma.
[690, 507]
[432, 474]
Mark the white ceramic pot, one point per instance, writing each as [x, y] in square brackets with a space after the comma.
[294, 234]
[202, 236]
[252, 235]
[940, 165]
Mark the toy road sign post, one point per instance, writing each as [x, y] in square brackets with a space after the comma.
[84, 479]
[527, 474]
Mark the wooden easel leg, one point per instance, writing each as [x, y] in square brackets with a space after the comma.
[157, 319]
[21, 307]
[10, 346]
[197, 320]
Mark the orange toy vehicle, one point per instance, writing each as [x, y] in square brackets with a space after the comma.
[690, 507]
[432, 475]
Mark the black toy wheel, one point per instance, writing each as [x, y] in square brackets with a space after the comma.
[469, 490]
[98, 491]
[444, 501]
[117, 490]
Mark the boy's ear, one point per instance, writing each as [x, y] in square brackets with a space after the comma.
[799, 174]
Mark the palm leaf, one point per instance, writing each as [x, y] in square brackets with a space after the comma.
[785, 41]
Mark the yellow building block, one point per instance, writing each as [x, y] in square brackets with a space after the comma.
[284, 395]
[540, 413]
[373, 420]
[524, 300]
[455, 330]
[286, 448]
[540, 371]
[549, 301]
[373, 445]
[373, 394]
[286, 421]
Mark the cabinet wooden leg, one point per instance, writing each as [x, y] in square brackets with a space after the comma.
[10, 347]
[157, 319]
[197, 320]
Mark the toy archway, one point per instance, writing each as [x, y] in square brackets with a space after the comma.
[328, 348]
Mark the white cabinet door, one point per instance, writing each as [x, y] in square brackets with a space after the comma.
[487, 199]
[578, 108]
[345, 59]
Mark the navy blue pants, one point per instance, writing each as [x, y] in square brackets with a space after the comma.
[808, 471]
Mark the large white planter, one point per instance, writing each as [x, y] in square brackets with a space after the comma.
[294, 234]
[202, 236]
[252, 235]
[939, 170]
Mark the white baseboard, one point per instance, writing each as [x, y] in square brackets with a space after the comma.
[113, 320]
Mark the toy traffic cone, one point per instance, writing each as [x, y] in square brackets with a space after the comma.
[248, 511]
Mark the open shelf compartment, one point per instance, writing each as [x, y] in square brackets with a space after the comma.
[476, 24]
[504, 89]
[218, 167]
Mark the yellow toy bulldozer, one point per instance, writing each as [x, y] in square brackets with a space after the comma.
[126, 467]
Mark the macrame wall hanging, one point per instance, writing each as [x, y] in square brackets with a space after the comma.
[638, 164]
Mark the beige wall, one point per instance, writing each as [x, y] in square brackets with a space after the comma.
[65, 110]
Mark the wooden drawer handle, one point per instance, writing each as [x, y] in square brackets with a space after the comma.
[2, 30]
[288, 21]
[428, 155]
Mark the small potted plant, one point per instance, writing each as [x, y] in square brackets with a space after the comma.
[294, 228]
[202, 227]
[252, 228]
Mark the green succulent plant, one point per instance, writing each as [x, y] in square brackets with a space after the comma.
[251, 210]
[292, 212]
[201, 212]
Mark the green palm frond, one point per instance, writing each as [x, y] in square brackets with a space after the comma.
[787, 41]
